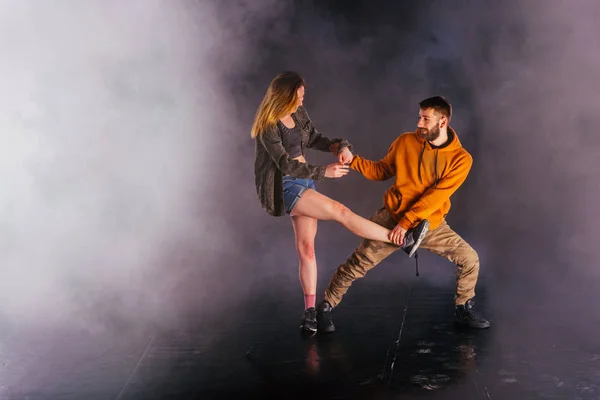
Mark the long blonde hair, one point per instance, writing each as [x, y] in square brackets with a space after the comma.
[281, 99]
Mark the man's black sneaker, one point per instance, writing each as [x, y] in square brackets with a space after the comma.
[309, 320]
[324, 322]
[466, 315]
[414, 237]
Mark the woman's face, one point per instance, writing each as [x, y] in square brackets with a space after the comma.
[300, 96]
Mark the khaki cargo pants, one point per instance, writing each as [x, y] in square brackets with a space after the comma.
[442, 241]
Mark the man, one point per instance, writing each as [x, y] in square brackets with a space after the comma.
[428, 165]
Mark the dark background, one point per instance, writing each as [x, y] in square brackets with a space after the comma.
[519, 77]
[129, 207]
[127, 163]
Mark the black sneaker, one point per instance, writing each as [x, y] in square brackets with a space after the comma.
[414, 237]
[325, 324]
[309, 320]
[466, 315]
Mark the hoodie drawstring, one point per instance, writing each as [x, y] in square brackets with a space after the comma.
[417, 262]
[435, 183]
[435, 173]
[436, 180]
[421, 160]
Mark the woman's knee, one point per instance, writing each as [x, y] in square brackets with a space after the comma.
[306, 249]
[340, 212]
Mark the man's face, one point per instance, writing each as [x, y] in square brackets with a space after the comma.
[429, 124]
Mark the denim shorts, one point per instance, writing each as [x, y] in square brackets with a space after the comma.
[293, 189]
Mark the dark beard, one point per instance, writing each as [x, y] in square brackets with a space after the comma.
[430, 135]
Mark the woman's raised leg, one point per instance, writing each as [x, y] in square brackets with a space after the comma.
[318, 206]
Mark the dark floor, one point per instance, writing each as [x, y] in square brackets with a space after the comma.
[393, 341]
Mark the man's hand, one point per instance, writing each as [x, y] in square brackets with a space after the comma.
[345, 156]
[397, 235]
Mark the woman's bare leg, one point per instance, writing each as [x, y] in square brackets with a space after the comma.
[305, 229]
[316, 205]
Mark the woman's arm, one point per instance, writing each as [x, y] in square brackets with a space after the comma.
[316, 140]
[271, 140]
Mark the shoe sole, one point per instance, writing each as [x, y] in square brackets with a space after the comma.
[466, 325]
[308, 329]
[419, 239]
[327, 330]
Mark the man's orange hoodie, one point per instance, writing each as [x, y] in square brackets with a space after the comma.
[426, 177]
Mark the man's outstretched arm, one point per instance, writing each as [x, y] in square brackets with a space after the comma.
[380, 170]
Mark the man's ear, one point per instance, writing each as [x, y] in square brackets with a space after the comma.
[443, 122]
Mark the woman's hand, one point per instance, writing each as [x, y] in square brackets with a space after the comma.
[336, 170]
[345, 156]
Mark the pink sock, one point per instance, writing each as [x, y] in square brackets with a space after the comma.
[309, 300]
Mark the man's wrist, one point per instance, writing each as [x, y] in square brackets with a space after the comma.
[405, 223]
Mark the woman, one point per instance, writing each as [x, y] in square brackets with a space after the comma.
[285, 181]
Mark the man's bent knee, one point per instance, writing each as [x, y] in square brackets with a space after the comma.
[472, 257]
[469, 261]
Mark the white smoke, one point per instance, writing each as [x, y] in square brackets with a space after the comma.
[108, 115]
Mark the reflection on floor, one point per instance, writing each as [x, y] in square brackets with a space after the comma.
[392, 342]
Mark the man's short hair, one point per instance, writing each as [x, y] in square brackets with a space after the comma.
[439, 104]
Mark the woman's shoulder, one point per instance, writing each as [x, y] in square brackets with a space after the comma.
[301, 114]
